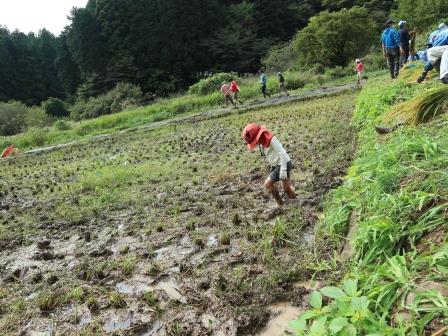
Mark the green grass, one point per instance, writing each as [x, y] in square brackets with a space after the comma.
[397, 190]
[161, 110]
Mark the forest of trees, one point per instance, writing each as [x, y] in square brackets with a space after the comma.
[161, 45]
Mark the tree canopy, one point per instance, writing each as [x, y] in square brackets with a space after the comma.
[334, 39]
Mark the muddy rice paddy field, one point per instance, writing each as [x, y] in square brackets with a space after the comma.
[169, 231]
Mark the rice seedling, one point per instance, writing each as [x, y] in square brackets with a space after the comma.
[420, 109]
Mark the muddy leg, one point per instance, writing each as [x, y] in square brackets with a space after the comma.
[274, 191]
[289, 189]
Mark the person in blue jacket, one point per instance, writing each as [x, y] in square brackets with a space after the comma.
[439, 46]
[390, 42]
[434, 34]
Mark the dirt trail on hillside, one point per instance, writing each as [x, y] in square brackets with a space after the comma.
[213, 113]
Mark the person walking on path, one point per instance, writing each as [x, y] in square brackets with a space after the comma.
[440, 45]
[274, 153]
[235, 89]
[404, 42]
[390, 42]
[281, 84]
[360, 71]
[225, 90]
[264, 82]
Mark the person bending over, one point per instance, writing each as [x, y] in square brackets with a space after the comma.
[276, 156]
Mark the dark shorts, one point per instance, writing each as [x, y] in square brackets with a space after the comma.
[275, 172]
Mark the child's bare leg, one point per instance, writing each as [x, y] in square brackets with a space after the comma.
[269, 184]
[289, 189]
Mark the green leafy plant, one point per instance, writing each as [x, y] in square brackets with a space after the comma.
[348, 313]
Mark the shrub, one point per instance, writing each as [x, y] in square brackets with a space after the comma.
[62, 125]
[212, 83]
[36, 117]
[55, 107]
[294, 80]
[279, 57]
[121, 97]
[12, 118]
[374, 61]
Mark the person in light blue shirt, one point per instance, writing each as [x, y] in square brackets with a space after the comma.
[435, 53]
[434, 34]
[264, 82]
[390, 42]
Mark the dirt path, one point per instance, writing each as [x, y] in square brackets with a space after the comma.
[210, 114]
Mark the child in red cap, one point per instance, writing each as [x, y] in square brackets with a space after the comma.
[275, 155]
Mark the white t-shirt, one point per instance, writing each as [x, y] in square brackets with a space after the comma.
[276, 155]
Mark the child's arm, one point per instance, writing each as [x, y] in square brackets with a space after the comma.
[277, 146]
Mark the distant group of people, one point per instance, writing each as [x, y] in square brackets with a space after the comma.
[436, 54]
[396, 45]
[399, 47]
[231, 90]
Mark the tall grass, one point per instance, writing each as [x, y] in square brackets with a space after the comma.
[397, 190]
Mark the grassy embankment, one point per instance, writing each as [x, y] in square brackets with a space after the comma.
[162, 110]
[393, 207]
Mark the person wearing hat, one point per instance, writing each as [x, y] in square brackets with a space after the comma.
[360, 70]
[435, 53]
[404, 42]
[274, 153]
[281, 84]
[442, 26]
[390, 42]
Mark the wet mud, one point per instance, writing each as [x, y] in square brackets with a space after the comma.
[167, 231]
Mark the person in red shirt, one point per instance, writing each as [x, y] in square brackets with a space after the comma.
[8, 151]
[235, 89]
[360, 70]
[225, 90]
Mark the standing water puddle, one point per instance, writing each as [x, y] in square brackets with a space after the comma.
[171, 289]
[120, 320]
[137, 285]
[282, 313]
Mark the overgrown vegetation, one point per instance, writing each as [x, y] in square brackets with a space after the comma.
[394, 208]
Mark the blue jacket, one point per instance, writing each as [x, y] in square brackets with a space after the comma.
[390, 38]
[432, 36]
[263, 79]
[441, 39]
